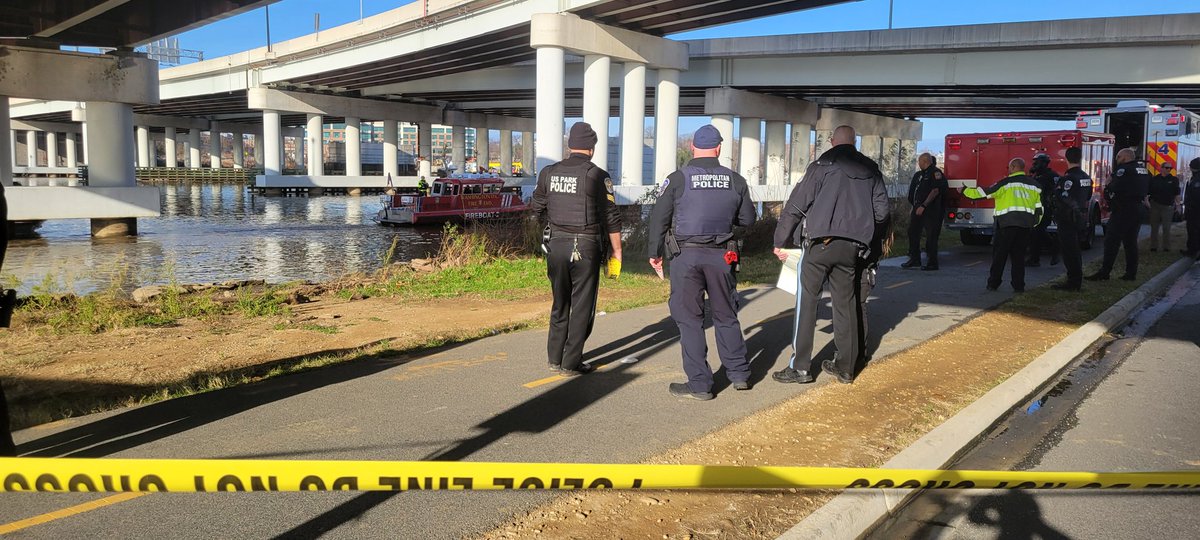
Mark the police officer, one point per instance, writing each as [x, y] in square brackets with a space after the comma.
[1125, 194]
[577, 198]
[1163, 198]
[1018, 211]
[7, 448]
[840, 201]
[1046, 179]
[1072, 199]
[693, 224]
[925, 194]
[1191, 210]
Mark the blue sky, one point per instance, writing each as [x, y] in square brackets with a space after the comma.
[294, 18]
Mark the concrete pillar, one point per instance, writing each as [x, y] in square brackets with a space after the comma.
[871, 146]
[527, 153]
[194, 148]
[272, 144]
[666, 123]
[506, 157]
[633, 123]
[314, 139]
[776, 153]
[549, 112]
[152, 150]
[596, 101]
[143, 142]
[169, 148]
[6, 144]
[112, 152]
[353, 146]
[51, 149]
[258, 151]
[889, 160]
[907, 159]
[823, 141]
[214, 146]
[801, 148]
[31, 145]
[750, 139]
[71, 154]
[483, 148]
[724, 125]
[239, 151]
[391, 145]
[425, 149]
[458, 147]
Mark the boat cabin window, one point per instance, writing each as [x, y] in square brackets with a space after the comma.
[474, 189]
[437, 189]
[491, 188]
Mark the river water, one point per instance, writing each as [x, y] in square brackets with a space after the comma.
[216, 232]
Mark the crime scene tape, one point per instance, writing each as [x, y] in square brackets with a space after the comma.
[183, 475]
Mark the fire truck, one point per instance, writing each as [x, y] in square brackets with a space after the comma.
[981, 160]
[1159, 134]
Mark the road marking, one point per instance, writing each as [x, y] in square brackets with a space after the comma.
[68, 512]
[553, 378]
[898, 285]
[976, 263]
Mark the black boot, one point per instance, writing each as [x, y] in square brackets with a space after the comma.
[8, 301]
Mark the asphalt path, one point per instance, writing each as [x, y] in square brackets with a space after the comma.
[487, 400]
[1140, 417]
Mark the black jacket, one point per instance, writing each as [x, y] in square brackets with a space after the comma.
[664, 208]
[1191, 196]
[1164, 188]
[597, 191]
[1129, 186]
[1073, 196]
[842, 195]
[924, 181]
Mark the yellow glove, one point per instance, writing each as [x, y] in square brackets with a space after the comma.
[614, 267]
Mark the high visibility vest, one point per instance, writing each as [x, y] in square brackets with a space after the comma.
[1016, 193]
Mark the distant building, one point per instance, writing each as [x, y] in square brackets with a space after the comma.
[441, 144]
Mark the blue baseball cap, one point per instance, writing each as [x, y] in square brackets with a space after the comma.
[707, 137]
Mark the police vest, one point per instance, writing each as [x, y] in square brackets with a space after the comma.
[569, 201]
[708, 204]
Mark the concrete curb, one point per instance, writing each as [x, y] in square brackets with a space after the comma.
[853, 514]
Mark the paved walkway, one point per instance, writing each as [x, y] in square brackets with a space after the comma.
[487, 400]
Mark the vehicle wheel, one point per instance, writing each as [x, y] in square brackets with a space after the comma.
[971, 239]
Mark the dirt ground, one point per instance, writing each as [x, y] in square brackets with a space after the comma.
[891, 404]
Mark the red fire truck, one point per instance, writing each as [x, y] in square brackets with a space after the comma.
[981, 159]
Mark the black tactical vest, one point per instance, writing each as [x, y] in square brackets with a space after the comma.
[569, 200]
[708, 204]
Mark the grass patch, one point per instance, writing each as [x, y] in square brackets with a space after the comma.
[320, 328]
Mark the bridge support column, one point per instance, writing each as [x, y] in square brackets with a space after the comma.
[527, 153]
[353, 146]
[112, 152]
[458, 148]
[750, 161]
[71, 152]
[597, 97]
[889, 160]
[391, 139]
[483, 148]
[506, 157]
[6, 144]
[425, 145]
[801, 148]
[169, 148]
[823, 144]
[214, 146]
[152, 150]
[907, 159]
[143, 142]
[776, 152]
[31, 146]
[724, 125]
[315, 145]
[271, 143]
[51, 149]
[633, 123]
[258, 151]
[239, 151]
[666, 123]
[872, 146]
[193, 148]
[549, 108]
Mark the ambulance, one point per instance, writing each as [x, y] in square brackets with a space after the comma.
[1159, 134]
[981, 160]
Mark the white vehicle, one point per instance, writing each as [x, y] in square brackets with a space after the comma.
[1159, 134]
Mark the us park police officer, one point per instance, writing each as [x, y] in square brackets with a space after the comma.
[693, 225]
[577, 198]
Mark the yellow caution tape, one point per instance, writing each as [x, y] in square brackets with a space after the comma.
[182, 475]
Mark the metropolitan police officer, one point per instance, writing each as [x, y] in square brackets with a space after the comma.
[1191, 209]
[693, 224]
[1125, 194]
[578, 198]
[925, 194]
[7, 298]
[1046, 179]
[1072, 202]
[834, 212]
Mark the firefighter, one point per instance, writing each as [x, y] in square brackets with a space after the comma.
[7, 298]
[1018, 210]
[577, 198]
[692, 224]
[1163, 199]
[1072, 196]
[841, 202]
[1045, 178]
[422, 187]
[1125, 194]
[1191, 210]
[925, 194]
